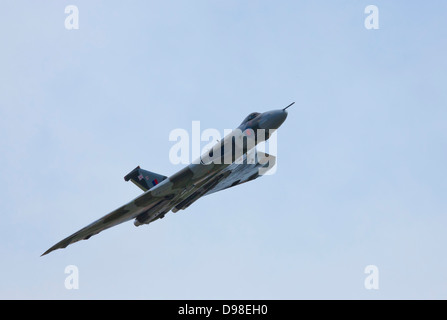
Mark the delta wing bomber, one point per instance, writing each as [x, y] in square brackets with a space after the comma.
[231, 161]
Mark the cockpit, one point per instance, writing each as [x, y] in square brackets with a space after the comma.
[251, 116]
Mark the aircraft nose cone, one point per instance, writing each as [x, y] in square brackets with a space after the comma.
[273, 119]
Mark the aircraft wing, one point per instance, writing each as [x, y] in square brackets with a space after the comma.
[253, 165]
[143, 203]
[248, 169]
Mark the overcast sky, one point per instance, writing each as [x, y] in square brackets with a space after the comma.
[361, 176]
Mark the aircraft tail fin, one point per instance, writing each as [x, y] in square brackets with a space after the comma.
[144, 179]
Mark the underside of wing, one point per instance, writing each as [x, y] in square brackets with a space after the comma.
[253, 165]
[250, 167]
[142, 204]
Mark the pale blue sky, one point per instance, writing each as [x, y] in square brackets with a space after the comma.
[361, 173]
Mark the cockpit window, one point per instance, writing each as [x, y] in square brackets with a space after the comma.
[251, 116]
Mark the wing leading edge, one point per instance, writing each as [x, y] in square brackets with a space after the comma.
[124, 213]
